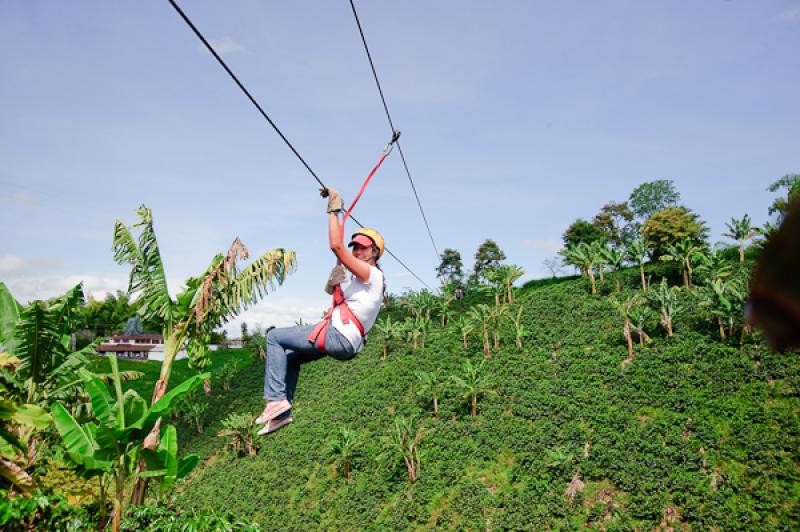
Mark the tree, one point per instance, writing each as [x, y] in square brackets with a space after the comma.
[481, 315]
[133, 326]
[640, 316]
[724, 301]
[585, 258]
[637, 252]
[465, 326]
[649, 198]
[207, 301]
[473, 384]
[791, 182]
[430, 385]
[624, 308]
[683, 252]
[554, 265]
[487, 257]
[17, 423]
[670, 226]
[389, 331]
[404, 441]
[665, 299]
[344, 448]
[114, 440]
[519, 328]
[450, 269]
[741, 231]
[240, 429]
[614, 258]
[712, 266]
[582, 232]
[614, 219]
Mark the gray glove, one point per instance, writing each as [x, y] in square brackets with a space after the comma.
[338, 276]
[335, 202]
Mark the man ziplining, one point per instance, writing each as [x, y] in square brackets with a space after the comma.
[342, 331]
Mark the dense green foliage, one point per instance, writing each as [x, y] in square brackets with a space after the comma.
[690, 431]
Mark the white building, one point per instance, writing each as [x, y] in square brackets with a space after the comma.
[145, 346]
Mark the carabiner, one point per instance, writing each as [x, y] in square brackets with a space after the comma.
[388, 148]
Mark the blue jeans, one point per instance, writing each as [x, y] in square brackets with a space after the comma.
[288, 348]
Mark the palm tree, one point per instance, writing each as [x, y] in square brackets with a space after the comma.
[614, 258]
[741, 231]
[637, 252]
[665, 299]
[472, 385]
[465, 326]
[390, 331]
[682, 252]
[430, 385]
[344, 448]
[217, 295]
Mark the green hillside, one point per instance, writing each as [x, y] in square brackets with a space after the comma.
[692, 432]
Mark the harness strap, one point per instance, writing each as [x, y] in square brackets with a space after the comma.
[317, 336]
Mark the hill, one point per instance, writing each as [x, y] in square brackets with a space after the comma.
[692, 433]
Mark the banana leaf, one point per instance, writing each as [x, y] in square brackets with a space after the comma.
[99, 396]
[9, 314]
[165, 405]
[76, 440]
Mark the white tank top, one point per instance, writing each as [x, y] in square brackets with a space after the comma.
[364, 300]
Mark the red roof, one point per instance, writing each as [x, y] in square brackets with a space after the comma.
[143, 336]
[120, 348]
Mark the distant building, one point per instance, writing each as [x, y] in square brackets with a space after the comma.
[236, 343]
[145, 346]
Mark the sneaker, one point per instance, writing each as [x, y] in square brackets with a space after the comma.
[273, 410]
[274, 425]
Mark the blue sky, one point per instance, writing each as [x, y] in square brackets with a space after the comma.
[517, 118]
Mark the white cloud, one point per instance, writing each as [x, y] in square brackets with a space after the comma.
[544, 244]
[280, 312]
[225, 46]
[23, 199]
[790, 14]
[15, 266]
[28, 288]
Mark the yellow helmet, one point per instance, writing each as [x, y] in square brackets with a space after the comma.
[373, 236]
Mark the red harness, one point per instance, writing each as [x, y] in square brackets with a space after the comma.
[317, 336]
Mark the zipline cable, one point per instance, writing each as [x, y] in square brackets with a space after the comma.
[274, 126]
[391, 124]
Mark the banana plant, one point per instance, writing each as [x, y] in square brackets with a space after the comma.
[345, 448]
[113, 442]
[637, 252]
[431, 385]
[389, 331]
[683, 252]
[474, 384]
[217, 295]
[614, 258]
[465, 326]
[666, 302]
[17, 423]
[481, 314]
